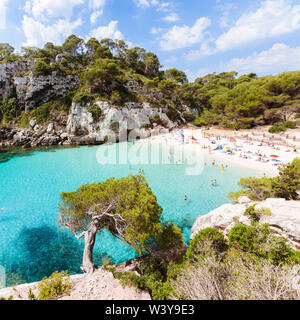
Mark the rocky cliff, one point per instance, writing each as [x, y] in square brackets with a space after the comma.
[18, 80]
[79, 127]
[284, 218]
[76, 127]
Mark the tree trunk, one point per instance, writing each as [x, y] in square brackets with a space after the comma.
[89, 242]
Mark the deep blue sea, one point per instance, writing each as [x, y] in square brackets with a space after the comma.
[33, 244]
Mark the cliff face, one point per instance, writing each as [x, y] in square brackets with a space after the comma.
[284, 220]
[17, 79]
[133, 117]
[78, 126]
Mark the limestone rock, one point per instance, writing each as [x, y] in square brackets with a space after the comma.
[244, 200]
[284, 220]
[133, 117]
[32, 123]
[9, 72]
[100, 285]
[50, 127]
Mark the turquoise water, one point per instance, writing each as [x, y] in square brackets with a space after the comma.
[33, 244]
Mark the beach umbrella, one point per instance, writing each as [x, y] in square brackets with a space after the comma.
[232, 140]
[274, 156]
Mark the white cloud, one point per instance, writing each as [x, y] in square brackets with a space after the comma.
[165, 6]
[226, 10]
[40, 9]
[172, 17]
[160, 5]
[205, 50]
[145, 3]
[3, 13]
[156, 30]
[110, 31]
[37, 33]
[273, 18]
[96, 4]
[95, 15]
[185, 36]
[277, 59]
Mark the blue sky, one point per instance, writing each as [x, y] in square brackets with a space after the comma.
[196, 36]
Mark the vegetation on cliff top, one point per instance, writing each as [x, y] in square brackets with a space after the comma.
[251, 263]
[108, 68]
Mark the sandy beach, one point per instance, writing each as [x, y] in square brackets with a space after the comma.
[265, 156]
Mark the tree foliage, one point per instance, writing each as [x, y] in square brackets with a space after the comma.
[286, 185]
[107, 66]
[127, 208]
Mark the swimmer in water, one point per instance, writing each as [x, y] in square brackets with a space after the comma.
[185, 198]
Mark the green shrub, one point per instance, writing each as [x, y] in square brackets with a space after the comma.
[9, 298]
[209, 240]
[116, 98]
[31, 295]
[199, 122]
[287, 184]
[261, 241]
[290, 124]
[151, 279]
[277, 128]
[42, 68]
[188, 116]
[42, 113]
[248, 238]
[95, 111]
[83, 98]
[255, 214]
[9, 109]
[24, 121]
[55, 286]
[173, 115]
[256, 189]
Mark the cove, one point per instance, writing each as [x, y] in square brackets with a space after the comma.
[33, 244]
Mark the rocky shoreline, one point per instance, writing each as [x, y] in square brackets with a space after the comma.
[79, 128]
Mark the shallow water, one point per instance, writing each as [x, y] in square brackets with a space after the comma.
[33, 244]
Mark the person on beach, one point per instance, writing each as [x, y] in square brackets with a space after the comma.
[213, 183]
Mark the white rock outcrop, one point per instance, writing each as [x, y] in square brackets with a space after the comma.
[130, 117]
[284, 220]
[100, 285]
